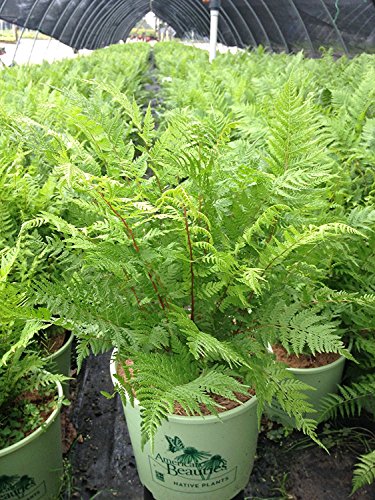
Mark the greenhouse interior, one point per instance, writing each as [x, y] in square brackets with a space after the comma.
[187, 242]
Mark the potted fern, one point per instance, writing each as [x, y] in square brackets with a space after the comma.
[180, 270]
[30, 401]
[27, 252]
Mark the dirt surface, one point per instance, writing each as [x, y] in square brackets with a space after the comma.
[223, 404]
[304, 360]
[52, 339]
[102, 464]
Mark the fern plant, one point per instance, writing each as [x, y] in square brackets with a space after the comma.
[182, 269]
[27, 391]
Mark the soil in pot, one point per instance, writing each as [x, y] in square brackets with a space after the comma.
[32, 467]
[223, 404]
[304, 360]
[322, 372]
[28, 412]
[59, 346]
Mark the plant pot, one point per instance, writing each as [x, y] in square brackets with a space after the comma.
[193, 458]
[33, 467]
[60, 362]
[324, 379]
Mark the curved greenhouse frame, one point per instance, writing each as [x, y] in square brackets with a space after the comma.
[280, 25]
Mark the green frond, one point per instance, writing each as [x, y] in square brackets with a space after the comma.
[203, 345]
[350, 399]
[297, 138]
[364, 472]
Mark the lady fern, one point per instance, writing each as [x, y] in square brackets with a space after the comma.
[181, 269]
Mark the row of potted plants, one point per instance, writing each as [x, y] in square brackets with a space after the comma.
[34, 347]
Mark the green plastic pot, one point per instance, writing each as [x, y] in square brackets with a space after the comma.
[60, 362]
[324, 380]
[33, 467]
[205, 458]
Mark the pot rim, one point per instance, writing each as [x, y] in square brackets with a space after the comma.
[225, 415]
[62, 350]
[40, 430]
[317, 369]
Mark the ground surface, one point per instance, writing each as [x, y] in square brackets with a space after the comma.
[102, 465]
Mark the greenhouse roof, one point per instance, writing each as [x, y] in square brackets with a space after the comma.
[283, 25]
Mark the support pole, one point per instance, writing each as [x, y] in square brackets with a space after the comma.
[214, 11]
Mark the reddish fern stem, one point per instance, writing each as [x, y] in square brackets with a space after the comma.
[161, 302]
[192, 315]
[136, 296]
[136, 248]
[126, 225]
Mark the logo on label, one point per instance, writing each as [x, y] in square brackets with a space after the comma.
[21, 487]
[186, 468]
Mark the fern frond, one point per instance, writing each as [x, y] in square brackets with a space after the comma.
[349, 401]
[364, 472]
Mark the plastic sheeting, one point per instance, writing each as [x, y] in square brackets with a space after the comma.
[282, 25]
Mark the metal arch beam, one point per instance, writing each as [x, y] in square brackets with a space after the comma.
[85, 22]
[193, 13]
[201, 15]
[38, 28]
[365, 24]
[102, 40]
[2, 5]
[58, 22]
[204, 14]
[247, 27]
[293, 5]
[105, 37]
[102, 14]
[196, 10]
[23, 29]
[232, 29]
[90, 38]
[114, 13]
[351, 14]
[108, 33]
[123, 33]
[135, 19]
[197, 5]
[102, 37]
[173, 21]
[268, 10]
[358, 15]
[68, 21]
[255, 15]
[96, 8]
[335, 27]
[201, 22]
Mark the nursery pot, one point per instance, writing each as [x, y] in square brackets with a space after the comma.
[59, 362]
[205, 458]
[33, 467]
[324, 379]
